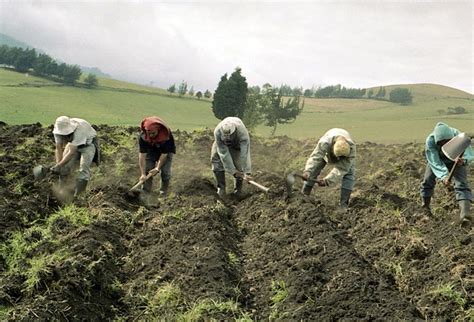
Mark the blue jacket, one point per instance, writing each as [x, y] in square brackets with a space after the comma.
[435, 156]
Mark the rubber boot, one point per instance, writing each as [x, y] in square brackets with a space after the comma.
[164, 187]
[306, 189]
[426, 204]
[220, 178]
[465, 213]
[81, 185]
[345, 196]
[238, 186]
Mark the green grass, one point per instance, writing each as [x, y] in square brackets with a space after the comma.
[120, 103]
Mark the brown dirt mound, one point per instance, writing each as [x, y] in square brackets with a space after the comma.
[190, 256]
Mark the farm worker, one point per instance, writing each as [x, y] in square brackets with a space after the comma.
[231, 153]
[76, 140]
[337, 148]
[439, 165]
[156, 145]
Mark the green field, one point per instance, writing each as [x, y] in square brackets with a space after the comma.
[28, 99]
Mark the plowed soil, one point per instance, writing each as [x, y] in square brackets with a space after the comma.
[191, 256]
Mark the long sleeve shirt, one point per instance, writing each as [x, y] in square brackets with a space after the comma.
[239, 141]
[437, 160]
[323, 154]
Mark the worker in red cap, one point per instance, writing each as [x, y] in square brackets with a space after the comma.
[156, 149]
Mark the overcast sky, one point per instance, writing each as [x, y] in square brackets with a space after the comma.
[300, 43]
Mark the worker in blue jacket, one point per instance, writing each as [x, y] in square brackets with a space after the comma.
[439, 165]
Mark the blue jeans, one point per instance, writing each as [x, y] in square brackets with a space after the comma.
[461, 184]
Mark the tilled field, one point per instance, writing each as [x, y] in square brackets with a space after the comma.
[189, 256]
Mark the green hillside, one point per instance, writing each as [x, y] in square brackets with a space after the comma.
[29, 99]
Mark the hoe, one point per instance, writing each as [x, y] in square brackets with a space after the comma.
[290, 181]
[454, 149]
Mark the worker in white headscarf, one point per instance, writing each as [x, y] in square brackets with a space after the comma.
[231, 153]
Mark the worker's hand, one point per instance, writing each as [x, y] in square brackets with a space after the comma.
[239, 174]
[143, 178]
[56, 169]
[154, 171]
[461, 161]
[321, 182]
[248, 177]
[305, 175]
[446, 182]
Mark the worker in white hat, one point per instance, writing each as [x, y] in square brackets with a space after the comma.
[76, 141]
[336, 148]
[231, 153]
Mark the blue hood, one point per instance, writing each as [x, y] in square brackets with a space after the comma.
[442, 132]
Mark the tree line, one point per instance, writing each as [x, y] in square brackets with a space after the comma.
[253, 105]
[25, 60]
[182, 90]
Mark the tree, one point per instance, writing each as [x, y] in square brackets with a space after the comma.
[230, 96]
[254, 89]
[42, 65]
[24, 59]
[172, 88]
[183, 88]
[91, 81]
[191, 91]
[370, 93]
[71, 74]
[401, 95]
[308, 92]
[381, 92]
[199, 95]
[253, 109]
[207, 94]
[276, 111]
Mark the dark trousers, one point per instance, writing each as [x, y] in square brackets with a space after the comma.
[165, 170]
[461, 184]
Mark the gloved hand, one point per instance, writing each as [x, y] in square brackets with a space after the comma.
[321, 182]
[56, 169]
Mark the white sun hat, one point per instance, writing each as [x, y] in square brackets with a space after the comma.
[64, 126]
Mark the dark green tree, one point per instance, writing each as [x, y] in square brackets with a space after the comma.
[91, 81]
[24, 59]
[277, 111]
[71, 74]
[401, 95]
[172, 88]
[183, 88]
[207, 94]
[308, 92]
[253, 109]
[230, 96]
[42, 65]
[381, 92]
[199, 95]
[370, 93]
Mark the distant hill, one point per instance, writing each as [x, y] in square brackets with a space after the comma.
[425, 91]
[12, 42]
